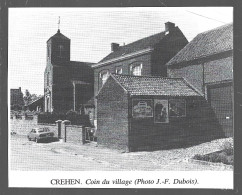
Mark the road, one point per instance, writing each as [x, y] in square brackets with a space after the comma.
[58, 156]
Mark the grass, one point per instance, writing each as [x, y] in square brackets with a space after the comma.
[225, 155]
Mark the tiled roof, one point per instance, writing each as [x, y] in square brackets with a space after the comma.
[147, 42]
[207, 43]
[38, 99]
[58, 35]
[145, 85]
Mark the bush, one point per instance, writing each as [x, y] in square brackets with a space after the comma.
[217, 157]
[74, 117]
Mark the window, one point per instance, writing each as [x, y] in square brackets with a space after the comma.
[61, 49]
[161, 111]
[136, 69]
[119, 70]
[177, 107]
[103, 76]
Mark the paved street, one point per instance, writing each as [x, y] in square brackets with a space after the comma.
[58, 156]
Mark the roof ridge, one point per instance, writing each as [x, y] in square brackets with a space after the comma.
[217, 28]
[144, 76]
[143, 38]
[137, 45]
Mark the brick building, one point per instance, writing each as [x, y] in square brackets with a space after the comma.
[207, 63]
[146, 56]
[147, 113]
[68, 85]
[16, 97]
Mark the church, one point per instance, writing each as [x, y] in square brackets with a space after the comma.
[68, 85]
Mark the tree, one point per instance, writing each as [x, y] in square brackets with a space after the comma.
[27, 97]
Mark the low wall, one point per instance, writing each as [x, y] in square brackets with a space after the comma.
[22, 126]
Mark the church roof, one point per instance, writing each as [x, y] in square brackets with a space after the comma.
[145, 43]
[58, 35]
[205, 44]
[77, 63]
[149, 85]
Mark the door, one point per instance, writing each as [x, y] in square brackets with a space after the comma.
[220, 97]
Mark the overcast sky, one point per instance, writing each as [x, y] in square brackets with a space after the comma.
[91, 31]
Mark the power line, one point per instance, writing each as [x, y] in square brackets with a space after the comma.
[206, 17]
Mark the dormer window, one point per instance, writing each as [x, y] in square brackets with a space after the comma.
[103, 76]
[136, 69]
[61, 50]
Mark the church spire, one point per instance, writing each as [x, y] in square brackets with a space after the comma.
[59, 25]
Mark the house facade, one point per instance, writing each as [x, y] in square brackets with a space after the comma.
[16, 97]
[207, 64]
[146, 56]
[68, 85]
[147, 113]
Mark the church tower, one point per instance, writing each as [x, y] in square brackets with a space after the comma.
[57, 61]
[68, 85]
[58, 49]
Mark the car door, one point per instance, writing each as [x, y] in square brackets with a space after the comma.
[32, 134]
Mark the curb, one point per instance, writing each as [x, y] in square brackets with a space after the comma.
[200, 162]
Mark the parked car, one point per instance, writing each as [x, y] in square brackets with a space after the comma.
[38, 134]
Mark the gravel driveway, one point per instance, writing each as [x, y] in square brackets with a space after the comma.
[27, 155]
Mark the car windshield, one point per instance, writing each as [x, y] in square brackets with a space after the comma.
[40, 131]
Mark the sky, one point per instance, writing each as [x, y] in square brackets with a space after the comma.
[92, 30]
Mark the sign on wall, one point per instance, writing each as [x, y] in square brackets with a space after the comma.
[161, 111]
[177, 108]
[142, 108]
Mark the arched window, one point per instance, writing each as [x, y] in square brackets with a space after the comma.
[119, 70]
[136, 69]
[103, 76]
[47, 78]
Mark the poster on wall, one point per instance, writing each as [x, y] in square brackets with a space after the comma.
[161, 111]
[142, 108]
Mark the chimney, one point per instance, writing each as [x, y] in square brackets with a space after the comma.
[169, 26]
[114, 46]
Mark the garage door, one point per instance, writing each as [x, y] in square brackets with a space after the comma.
[220, 98]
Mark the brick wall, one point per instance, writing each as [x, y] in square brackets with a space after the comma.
[125, 64]
[193, 74]
[198, 126]
[165, 50]
[112, 116]
[214, 70]
[218, 70]
[23, 126]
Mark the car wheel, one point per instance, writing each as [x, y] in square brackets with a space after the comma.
[36, 140]
[29, 138]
